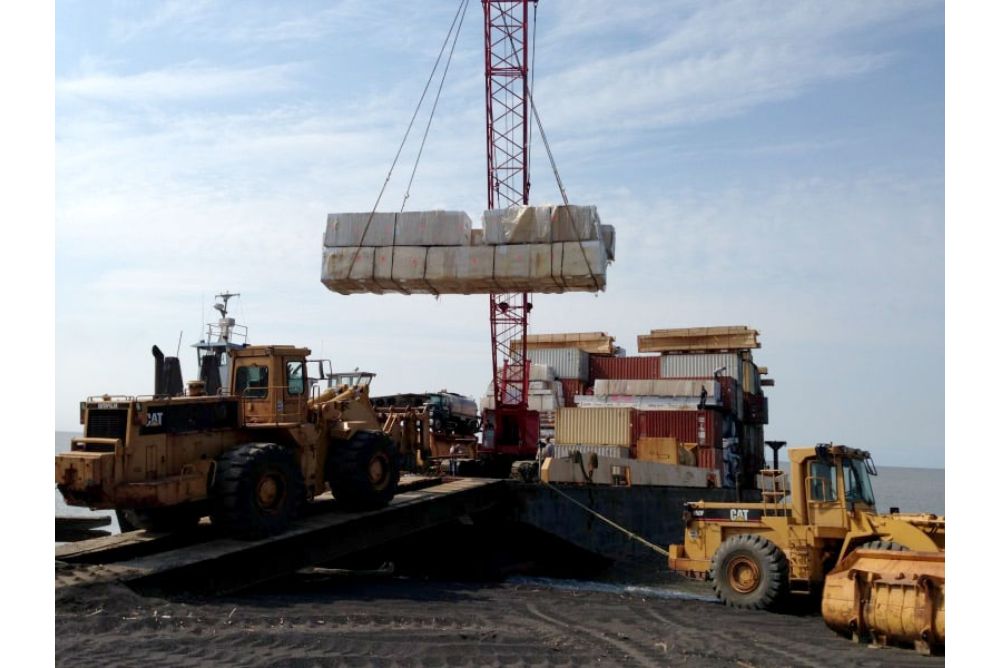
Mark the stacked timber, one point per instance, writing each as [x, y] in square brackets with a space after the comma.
[698, 339]
[548, 249]
[592, 343]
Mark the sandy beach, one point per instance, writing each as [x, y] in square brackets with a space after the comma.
[409, 622]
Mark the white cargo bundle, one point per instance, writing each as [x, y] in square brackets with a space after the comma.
[641, 403]
[660, 388]
[547, 249]
[540, 372]
[409, 228]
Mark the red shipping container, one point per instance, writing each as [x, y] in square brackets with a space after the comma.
[571, 388]
[710, 458]
[701, 427]
[624, 368]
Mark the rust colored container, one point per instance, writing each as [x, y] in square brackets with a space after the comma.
[625, 368]
[710, 458]
[571, 388]
[701, 427]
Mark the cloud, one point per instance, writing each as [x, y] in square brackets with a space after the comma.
[701, 62]
[184, 81]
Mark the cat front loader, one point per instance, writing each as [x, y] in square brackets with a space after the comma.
[821, 527]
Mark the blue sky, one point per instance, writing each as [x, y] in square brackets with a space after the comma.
[773, 164]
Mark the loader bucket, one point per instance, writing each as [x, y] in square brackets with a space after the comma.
[888, 597]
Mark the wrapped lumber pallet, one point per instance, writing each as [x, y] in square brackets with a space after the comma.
[546, 249]
[594, 343]
[698, 339]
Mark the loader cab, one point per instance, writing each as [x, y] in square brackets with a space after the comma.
[272, 383]
[834, 482]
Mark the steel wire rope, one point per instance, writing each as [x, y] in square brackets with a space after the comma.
[631, 534]
[437, 96]
[409, 127]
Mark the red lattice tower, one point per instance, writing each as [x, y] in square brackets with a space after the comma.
[507, 121]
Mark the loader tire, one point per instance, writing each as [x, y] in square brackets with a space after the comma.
[258, 490]
[178, 518]
[749, 572]
[363, 473]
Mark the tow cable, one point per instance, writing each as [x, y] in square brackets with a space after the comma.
[631, 534]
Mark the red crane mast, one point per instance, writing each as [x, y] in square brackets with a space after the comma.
[507, 184]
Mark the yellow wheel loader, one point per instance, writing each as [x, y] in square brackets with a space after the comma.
[821, 526]
[248, 455]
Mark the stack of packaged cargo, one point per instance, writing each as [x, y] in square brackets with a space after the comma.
[550, 249]
[545, 395]
[733, 440]
[697, 400]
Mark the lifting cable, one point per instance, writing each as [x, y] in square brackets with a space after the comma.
[437, 96]
[461, 4]
[631, 534]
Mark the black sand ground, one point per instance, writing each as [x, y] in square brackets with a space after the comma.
[402, 622]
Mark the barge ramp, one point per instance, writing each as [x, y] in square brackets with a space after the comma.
[201, 562]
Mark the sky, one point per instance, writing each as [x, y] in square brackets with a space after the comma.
[779, 165]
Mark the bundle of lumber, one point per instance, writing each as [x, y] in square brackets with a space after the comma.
[595, 343]
[548, 249]
[699, 339]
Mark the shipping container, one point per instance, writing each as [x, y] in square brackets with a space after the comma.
[702, 427]
[565, 362]
[616, 451]
[711, 458]
[624, 368]
[595, 426]
[701, 365]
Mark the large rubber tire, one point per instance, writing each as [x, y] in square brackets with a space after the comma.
[177, 518]
[363, 473]
[749, 572]
[258, 490]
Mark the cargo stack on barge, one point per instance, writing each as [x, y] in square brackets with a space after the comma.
[697, 404]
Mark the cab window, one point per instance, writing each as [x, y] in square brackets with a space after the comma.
[251, 382]
[296, 377]
[857, 484]
[822, 481]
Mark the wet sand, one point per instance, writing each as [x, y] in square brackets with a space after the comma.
[410, 622]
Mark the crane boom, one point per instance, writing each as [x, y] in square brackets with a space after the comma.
[508, 183]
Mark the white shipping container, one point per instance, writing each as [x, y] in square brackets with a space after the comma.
[701, 365]
[569, 363]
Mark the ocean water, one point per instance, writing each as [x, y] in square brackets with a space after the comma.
[909, 489]
[912, 490]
